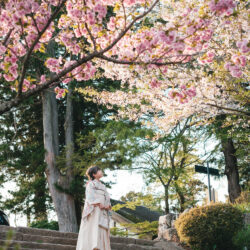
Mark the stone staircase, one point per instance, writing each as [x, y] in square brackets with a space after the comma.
[32, 238]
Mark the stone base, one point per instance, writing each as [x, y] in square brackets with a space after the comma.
[167, 245]
[170, 234]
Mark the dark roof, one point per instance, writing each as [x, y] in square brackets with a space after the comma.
[140, 214]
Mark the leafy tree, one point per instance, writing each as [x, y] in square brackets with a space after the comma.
[232, 133]
[171, 162]
[22, 161]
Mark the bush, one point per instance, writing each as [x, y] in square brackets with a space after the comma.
[242, 238]
[52, 225]
[243, 202]
[210, 227]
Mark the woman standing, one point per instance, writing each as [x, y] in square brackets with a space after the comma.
[94, 233]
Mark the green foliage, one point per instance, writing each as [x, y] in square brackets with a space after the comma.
[185, 190]
[9, 237]
[210, 227]
[169, 163]
[148, 200]
[52, 225]
[235, 127]
[242, 238]
[113, 145]
[22, 160]
[143, 229]
[122, 232]
[243, 202]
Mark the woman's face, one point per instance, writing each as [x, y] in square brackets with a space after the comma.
[98, 175]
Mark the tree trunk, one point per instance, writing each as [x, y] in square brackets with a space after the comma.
[181, 199]
[69, 141]
[166, 200]
[63, 202]
[231, 169]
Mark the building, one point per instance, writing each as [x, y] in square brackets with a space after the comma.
[127, 215]
[214, 196]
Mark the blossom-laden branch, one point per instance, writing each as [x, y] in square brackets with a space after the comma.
[127, 46]
[35, 42]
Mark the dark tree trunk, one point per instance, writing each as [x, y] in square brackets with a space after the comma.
[181, 200]
[231, 169]
[166, 200]
[69, 140]
[78, 212]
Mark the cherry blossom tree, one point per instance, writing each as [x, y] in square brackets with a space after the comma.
[177, 59]
[104, 34]
[215, 83]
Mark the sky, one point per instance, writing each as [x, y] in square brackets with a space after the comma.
[125, 182]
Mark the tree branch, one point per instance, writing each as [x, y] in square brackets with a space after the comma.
[230, 109]
[113, 60]
[30, 50]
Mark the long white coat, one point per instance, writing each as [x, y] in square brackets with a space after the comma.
[91, 235]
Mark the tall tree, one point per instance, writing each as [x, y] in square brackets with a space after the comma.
[232, 133]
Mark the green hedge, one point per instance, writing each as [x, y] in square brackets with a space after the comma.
[210, 227]
[44, 224]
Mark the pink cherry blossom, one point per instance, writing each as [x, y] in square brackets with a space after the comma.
[222, 7]
[143, 55]
[155, 83]
[243, 46]
[235, 70]
[53, 65]
[60, 92]
[239, 60]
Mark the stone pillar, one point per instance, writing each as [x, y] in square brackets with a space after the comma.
[166, 229]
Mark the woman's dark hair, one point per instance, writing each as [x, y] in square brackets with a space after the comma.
[92, 170]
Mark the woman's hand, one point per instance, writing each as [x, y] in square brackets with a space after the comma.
[108, 207]
[101, 206]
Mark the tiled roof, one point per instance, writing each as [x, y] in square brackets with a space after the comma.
[140, 214]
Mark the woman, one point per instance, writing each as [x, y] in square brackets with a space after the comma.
[94, 233]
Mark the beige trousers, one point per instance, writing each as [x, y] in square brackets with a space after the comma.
[91, 236]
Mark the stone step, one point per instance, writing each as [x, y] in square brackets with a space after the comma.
[46, 232]
[40, 239]
[42, 246]
[55, 237]
[41, 232]
[125, 240]
[122, 246]
[12, 248]
[34, 245]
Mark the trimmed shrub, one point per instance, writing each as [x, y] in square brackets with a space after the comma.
[243, 202]
[210, 227]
